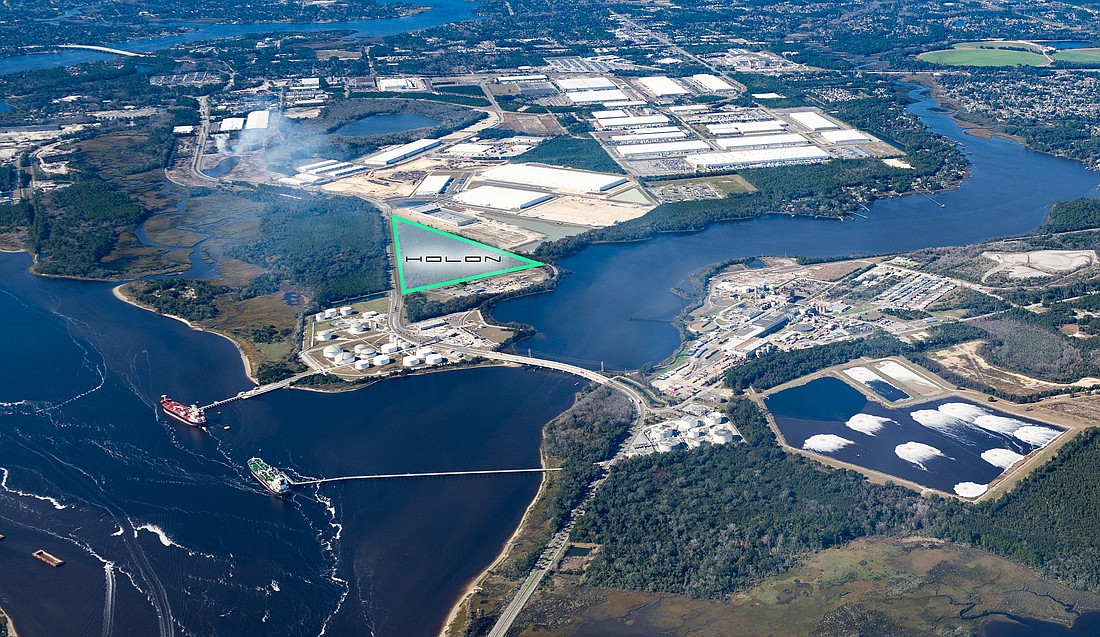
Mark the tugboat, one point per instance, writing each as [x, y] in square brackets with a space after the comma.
[192, 415]
[273, 480]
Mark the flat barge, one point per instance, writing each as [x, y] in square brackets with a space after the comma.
[52, 560]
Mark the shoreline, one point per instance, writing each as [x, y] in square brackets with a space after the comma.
[9, 624]
[248, 371]
[504, 554]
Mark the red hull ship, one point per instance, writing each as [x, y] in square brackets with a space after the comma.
[192, 415]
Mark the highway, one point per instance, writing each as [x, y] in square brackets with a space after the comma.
[101, 49]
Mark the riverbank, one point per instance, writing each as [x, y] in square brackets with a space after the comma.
[248, 367]
[7, 628]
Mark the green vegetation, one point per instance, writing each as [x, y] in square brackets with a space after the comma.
[186, 298]
[1079, 57]
[1031, 344]
[984, 57]
[1078, 214]
[332, 247]
[583, 153]
[971, 302]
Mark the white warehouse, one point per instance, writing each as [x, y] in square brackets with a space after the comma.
[813, 121]
[500, 198]
[662, 86]
[760, 157]
[631, 122]
[397, 153]
[662, 148]
[846, 136]
[553, 178]
[584, 83]
[603, 95]
[747, 128]
[763, 141]
[713, 83]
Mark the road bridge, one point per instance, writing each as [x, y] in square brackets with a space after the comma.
[101, 49]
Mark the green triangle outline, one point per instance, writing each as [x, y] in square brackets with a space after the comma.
[394, 220]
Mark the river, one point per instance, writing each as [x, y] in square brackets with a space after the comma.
[594, 313]
[441, 12]
[162, 525]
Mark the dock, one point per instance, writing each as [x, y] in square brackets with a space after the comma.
[386, 476]
[52, 560]
[257, 391]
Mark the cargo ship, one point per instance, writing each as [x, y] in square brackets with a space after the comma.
[192, 415]
[273, 480]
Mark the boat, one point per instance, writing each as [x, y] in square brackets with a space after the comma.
[273, 480]
[192, 415]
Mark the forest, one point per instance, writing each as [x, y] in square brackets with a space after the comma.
[711, 521]
[186, 298]
[1078, 214]
[582, 153]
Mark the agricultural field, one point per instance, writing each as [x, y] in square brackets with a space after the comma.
[1080, 56]
[1007, 53]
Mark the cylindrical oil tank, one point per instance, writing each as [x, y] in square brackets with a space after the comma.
[362, 364]
[324, 335]
[410, 361]
[346, 311]
[357, 327]
[344, 358]
[434, 359]
[363, 348]
[389, 348]
[721, 436]
[332, 351]
[381, 360]
[423, 352]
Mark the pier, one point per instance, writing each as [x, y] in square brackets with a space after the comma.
[52, 560]
[384, 476]
[101, 49]
[257, 391]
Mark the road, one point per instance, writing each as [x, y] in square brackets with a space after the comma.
[200, 143]
[101, 49]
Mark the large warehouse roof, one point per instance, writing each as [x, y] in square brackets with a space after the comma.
[747, 128]
[500, 198]
[845, 136]
[603, 95]
[712, 82]
[763, 141]
[813, 121]
[609, 114]
[397, 153]
[584, 83]
[742, 158]
[232, 123]
[638, 120]
[257, 120]
[432, 185]
[648, 136]
[556, 178]
[661, 86]
[664, 148]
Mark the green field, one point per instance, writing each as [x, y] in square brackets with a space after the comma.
[983, 57]
[1086, 56]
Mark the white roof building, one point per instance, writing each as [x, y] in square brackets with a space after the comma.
[231, 124]
[637, 138]
[609, 114]
[662, 148]
[432, 185]
[630, 122]
[813, 121]
[257, 120]
[846, 136]
[468, 149]
[713, 83]
[500, 198]
[397, 153]
[763, 141]
[662, 86]
[317, 165]
[747, 128]
[553, 178]
[584, 83]
[603, 95]
[758, 157]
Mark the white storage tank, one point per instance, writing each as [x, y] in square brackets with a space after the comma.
[718, 417]
[695, 443]
[363, 348]
[320, 317]
[346, 311]
[696, 432]
[660, 432]
[410, 361]
[381, 360]
[667, 445]
[331, 313]
[332, 351]
[423, 352]
[344, 358]
[687, 424]
[370, 314]
[721, 436]
[434, 359]
[357, 327]
[361, 365]
[389, 348]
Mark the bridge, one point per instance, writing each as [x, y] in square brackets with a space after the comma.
[384, 476]
[256, 391]
[101, 49]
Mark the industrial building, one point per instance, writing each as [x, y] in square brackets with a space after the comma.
[624, 103]
[713, 83]
[762, 141]
[308, 168]
[257, 120]
[400, 84]
[397, 153]
[759, 157]
[501, 198]
[231, 124]
[553, 178]
[584, 84]
[611, 114]
[655, 135]
[813, 121]
[432, 185]
[662, 86]
[635, 121]
[519, 79]
[468, 149]
[747, 128]
[846, 136]
[603, 95]
[662, 148]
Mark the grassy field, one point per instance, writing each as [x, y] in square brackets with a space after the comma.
[983, 57]
[1086, 56]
